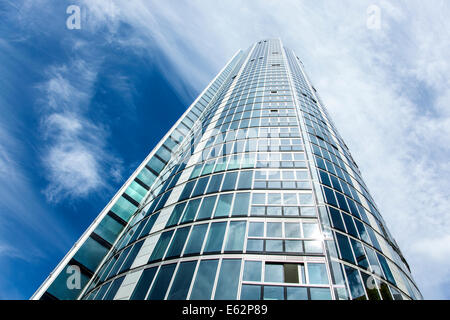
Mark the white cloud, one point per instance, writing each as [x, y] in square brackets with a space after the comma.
[386, 90]
[75, 154]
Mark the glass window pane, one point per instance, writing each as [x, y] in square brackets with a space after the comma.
[273, 272]
[245, 180]
[191, 210]
[292, 230]
[273, 293]
[113, 288]
[204, 280]
[228, 281]
[215, 237]
[320, 293]
[254, 245]
[236, 235]
[182, 281]
[252, 271]
[311, 230]
[291, 273]
[196, 238]
[312, 246]
[176, 214]
[250, 292]
[161, 246]
[224, 205]
[229, 181]
[214, 184]
[345, 249]
[140, 291]
[274, 229]
[294, 246]
[200, 187]
[162, 281]
[296, 293]
[207, 207]
[274, 245]
[177, 244]
[317, 273]
[354, 282]
[256, 229]
[241, 203]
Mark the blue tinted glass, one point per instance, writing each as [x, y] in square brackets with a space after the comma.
[113, 288]
[256, 229]
[195, 242]
[177, 244]
[245, 180]
[329, 196]
[229, 181]
[359, 254]
[161, 283]
[296, 293]
[215, 237]
[182, 281]
[274, 245]
[249, 292]
[142, 286]
[273, 293]
[273, 272]
[204, 280]
[317, 273]
[236, 235]
[161, 246]
[354, 282]
[228, 281]
[274, 229]
[223, 205]
[207, 207]
[349, 224]
[176, 214]
[241, 204]
[320, 293]
[200, 187]
[254, 245]
[214, 184]
[386, 269]
[252, 271]
[344, 247]
[191, 210]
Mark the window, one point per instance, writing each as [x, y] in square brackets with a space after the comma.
[317, 273]
[228, 281]
[207, 208]
[241, 204]
[273, 272]
[178, 242]
[274, 229]
[182, 280]
[224, 205]
[204, 280]
[256, 229]
[236, 234]
[143, 284]
[191, 210]
[250, 292]
[215, 237]
[292, 230]
[162, 281]
[196, 238]
[161, 246]
[252, 271]
[344, 248]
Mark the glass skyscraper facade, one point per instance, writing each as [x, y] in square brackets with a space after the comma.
[252, 194]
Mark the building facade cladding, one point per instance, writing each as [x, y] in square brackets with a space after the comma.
[255, 197]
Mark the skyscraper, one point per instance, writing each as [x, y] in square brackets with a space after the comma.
[252, 194]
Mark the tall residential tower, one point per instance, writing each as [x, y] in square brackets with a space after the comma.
[252, 194]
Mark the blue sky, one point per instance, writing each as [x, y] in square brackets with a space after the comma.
[82, 108]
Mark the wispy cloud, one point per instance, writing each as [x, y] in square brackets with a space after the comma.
[75, 153]
[387, 90]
